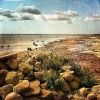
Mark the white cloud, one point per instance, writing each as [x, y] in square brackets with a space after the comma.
[93, 18]
[32, 13]
[68, 13]
[65, 17]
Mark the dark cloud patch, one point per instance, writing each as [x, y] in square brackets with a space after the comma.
[4, 11]
[28, 9]
[27, 17]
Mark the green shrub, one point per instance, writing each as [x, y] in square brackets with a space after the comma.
[87, 80]
[53, 81]
[53, 62]
[41, 57]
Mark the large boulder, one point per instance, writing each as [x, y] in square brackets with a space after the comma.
[25, 68]
[13, 96]
[12, 78]
[74, 85]
[22, 86]
[6, 89]
[34, 89]
[83, 91]
[65, 87]
[3, 74]
[96, 89]
[68, 76]
[13, 64]
[39, 75]
[46, 95]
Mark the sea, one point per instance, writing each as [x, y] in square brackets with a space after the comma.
[20, 42]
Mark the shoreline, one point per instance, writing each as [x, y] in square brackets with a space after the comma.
[79, 49]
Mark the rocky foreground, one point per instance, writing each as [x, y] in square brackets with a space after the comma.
[28, 77]
[36, 78]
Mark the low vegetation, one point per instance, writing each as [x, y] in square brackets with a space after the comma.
[87, 80]
[53, 81]
[55, 63]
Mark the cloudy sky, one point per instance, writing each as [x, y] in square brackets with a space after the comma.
[50, 16]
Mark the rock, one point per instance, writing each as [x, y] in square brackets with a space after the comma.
[76, 97]
[98, 96]
[91, 96]
[74, 85]
[31, 61]
[3, 74]
[13, 96]
[6, 89]
[65, 87]
[12, 78]
[34, 89]
[25, 68]
[31, 98]
[68, 76]
[66, 68]
[83, 91]
[44, 86]
[27, 78]
[21, 76]
[46, 95]
[22, 86]
[76, 78]
[13, 64]
[96, 89]
[56, 96]
[51, 71]
[60, 92]
[39, 75]
[38, 65]
[2, 65]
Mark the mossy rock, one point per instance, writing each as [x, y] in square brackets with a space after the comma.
[74, 85]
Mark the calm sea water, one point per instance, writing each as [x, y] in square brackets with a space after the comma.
[20, 42]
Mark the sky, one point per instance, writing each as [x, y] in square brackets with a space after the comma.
[49, 16]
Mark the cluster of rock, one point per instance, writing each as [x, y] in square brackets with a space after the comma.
[16, 83]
